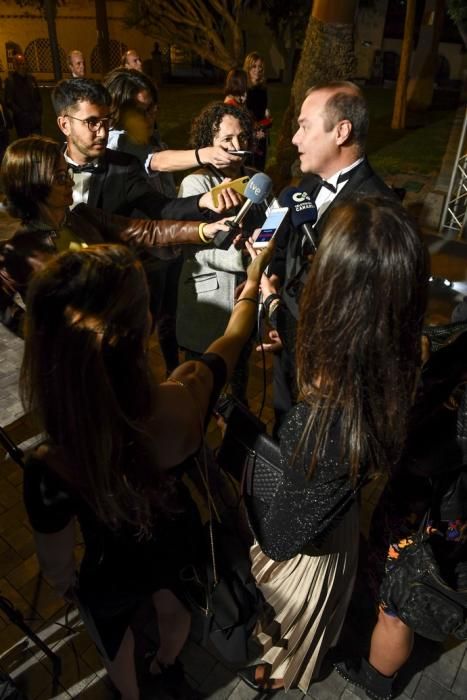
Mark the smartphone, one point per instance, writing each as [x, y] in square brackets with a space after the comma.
[238, 185]
[275, 221]
[241, 153]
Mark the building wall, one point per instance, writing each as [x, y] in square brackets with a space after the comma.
[454, 54]
[369, 36]
[76, 29]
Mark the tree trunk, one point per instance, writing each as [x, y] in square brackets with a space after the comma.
[50, 12]
[102, 27]
[400, 100]
[421, 84]
[328, 54]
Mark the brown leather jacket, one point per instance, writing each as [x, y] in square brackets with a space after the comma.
[34, 243]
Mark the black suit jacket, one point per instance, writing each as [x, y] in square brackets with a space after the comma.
[292, 268]
[288, 258]
[121, 186]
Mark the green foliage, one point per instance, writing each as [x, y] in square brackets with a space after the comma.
[283, 17]
[457, 10]
[209, 28]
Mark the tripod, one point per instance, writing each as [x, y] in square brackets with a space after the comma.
[6, 607]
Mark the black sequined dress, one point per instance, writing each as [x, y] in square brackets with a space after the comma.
[308, 587]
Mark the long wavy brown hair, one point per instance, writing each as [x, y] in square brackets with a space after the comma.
[359, 331]
[85, 372]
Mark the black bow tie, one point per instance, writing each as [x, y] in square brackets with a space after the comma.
[88, 168]
[343, 177]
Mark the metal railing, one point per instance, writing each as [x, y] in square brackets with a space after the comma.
[454, 217]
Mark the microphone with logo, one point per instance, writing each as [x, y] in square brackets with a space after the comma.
[303, 212]
[256, 192]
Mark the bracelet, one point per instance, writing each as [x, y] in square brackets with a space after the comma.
[272, 308]
[198, 159]
[253, 301]
[201, 232]
[269, 300]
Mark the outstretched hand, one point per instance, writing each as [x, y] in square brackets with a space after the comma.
[211, 230]
[259, 261]
[227, 199]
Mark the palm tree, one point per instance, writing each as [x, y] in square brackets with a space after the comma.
[328, 54]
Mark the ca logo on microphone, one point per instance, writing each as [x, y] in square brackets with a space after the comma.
[300, 197]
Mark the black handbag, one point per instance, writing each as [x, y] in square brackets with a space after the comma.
[249, 453]
[254, 458]
[221, 591]
[414, 587]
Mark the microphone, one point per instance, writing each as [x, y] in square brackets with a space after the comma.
[303, 212]
[256, 191]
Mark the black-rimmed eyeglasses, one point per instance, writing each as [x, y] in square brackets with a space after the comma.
[94, 123]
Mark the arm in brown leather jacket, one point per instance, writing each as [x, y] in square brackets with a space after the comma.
[141, 232]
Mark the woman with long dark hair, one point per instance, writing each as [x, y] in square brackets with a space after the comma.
[358, 356]
[113, 438]
[235, 87]
[257, 104]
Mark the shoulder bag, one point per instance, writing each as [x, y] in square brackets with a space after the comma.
[414, 587]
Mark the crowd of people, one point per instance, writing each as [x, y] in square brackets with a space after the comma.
[108, 250]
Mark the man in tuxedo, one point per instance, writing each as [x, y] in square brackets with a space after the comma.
[76, 64]
[23, 99]
[112, 180]
[331, 136]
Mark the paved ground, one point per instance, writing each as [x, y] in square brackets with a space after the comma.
[435, 672]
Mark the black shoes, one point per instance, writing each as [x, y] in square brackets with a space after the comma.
[247, 675]
[362, 674]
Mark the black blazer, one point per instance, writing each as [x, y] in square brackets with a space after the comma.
[120, 186]
[288, 259]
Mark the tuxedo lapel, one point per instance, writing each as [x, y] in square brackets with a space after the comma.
[96, 186]
[360, 174]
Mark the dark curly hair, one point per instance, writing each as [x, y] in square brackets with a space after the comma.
[206, 125]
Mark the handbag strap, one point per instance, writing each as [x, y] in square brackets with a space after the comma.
[211, 506]
[204, 474]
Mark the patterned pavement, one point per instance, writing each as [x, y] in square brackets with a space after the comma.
[434, 672]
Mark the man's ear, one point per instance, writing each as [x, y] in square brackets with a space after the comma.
[64, 124]
[343, 132]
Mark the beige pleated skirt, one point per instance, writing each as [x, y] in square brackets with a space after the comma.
[309, 596]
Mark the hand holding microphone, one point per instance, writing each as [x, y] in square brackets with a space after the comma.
[256, 192]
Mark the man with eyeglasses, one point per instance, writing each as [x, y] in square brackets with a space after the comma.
[111, 180]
